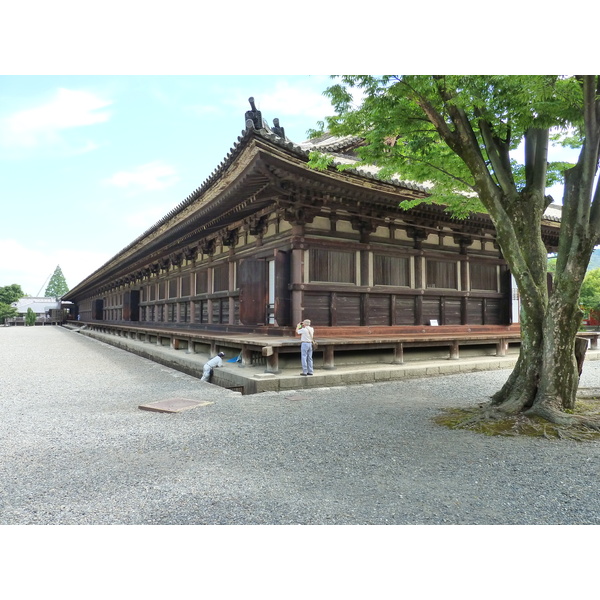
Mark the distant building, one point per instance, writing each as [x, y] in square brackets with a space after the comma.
[40, 306]
[47, 310]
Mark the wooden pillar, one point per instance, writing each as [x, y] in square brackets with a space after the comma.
[454, 354]
[419, 275]
[273, 362]
[398, 354]
[246, 356]
[465, 284]
[297, 279]
[501, 347]
[419, 285]
[419, 310]
[192, 312]
[328, 360]
[464, 313]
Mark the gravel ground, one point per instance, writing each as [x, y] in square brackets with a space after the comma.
[76, 449]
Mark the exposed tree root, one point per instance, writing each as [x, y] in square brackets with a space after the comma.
[583, 424]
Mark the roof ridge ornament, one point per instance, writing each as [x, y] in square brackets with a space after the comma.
[254, 118]
[277, 129]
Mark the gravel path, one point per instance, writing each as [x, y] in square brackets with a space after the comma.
[76, 449]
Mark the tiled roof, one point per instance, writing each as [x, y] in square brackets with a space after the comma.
[37, 305]
[302, 150]
[332, 145]
[338, 147]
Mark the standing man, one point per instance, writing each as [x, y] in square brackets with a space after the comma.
[306, 333]
[213, 363]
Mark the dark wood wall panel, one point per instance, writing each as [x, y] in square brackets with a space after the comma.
[347, 310]
[378, 310]
[431, 310]
[494, 312]
[475, 311]
[452, 311]
[404, 310]
[317, 308]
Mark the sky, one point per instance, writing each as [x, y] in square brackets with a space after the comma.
[89, 163]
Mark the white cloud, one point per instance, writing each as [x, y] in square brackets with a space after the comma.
[151, 176]
[44, 124]
[294, 99]
[141, 220]
[32, 267]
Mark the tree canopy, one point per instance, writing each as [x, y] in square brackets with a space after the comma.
[421, 127]
[590, 291]
[8, 295]
[460, 134]
[11, 293]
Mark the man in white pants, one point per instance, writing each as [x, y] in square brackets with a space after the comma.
[213, 363]
[306, 333]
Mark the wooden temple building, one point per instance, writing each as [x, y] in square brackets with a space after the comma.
[267, 241]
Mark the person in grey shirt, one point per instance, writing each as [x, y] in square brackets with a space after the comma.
[213, 363]
[306, 333]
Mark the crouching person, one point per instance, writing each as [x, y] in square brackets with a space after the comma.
[213, 363]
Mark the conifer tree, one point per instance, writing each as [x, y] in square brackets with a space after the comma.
[57, 286]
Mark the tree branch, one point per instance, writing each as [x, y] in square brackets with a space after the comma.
[447, 173]
[496, 154]
[536, 158]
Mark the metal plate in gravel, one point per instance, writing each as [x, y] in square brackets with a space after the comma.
[173, 405]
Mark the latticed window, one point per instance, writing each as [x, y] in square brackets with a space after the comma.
[483, 277]
[185, 286]
[161, 290]
[201, 311]
[202, 282]
[332, 266]
[220, 311]
[390, 270]
[221, 278]
[442, 274]
[172, 313]
[184, 312]
[173, 288]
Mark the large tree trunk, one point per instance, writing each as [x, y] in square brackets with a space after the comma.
[545, 380]
[519, 391]
[559, 373]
